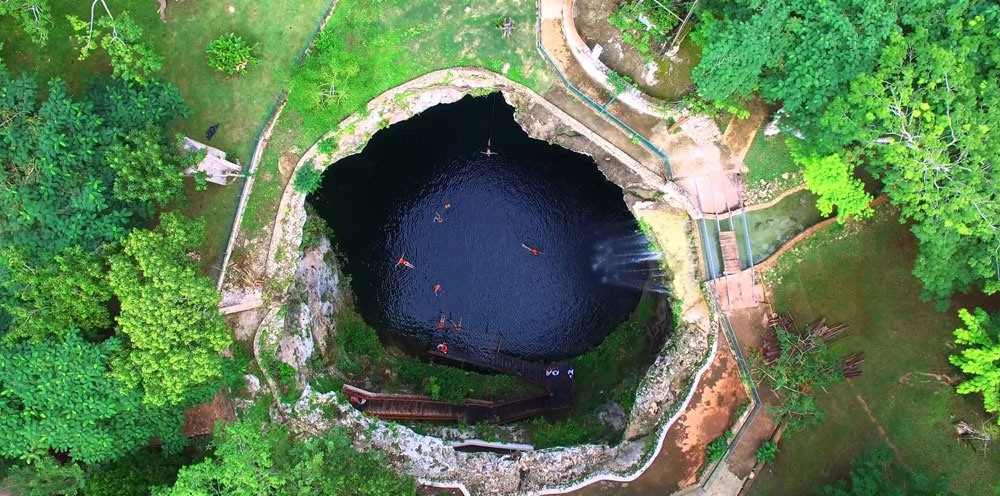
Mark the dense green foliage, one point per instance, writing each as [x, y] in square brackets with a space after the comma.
[133, 475]
[308, 179]
[131, 59]
[870, 476]
[60, 395]
[56, 183]
[69, 292]
[35, 17]
[44, 477]
[766, 451]
[800, 52]
[148, 167]
[716, 449]
[980, 357]
[342, 72]
[231, 54]
[805, 366]
[646, 41]
[168, 312]
[252, 461]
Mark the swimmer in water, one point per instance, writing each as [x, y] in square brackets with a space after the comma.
[441, 322]
[534, 251]
[447, 205]
[437, 289]
[488, 152]
[402, 261]
[438, 218]
[457, 326]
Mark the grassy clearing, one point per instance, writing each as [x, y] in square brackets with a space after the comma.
[770, 166]
[860, 275]
[388, 43]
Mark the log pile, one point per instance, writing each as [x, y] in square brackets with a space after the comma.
[817, 332]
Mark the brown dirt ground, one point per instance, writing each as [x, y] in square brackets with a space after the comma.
[741, 132]
[709, 414]
[286, 165]
[200, 420]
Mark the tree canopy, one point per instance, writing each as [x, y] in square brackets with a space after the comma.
[801, 52]
[169, 312]
[68, 292]
[251, 461]
[980, 357]
[60, 395]
[148, 167]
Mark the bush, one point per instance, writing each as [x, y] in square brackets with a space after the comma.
[307, 179]
[327, 146]
[133, 475]
[767, 451]
[567, 433]
[231, 54]
[717, 449]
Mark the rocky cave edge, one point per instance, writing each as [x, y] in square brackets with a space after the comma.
[302, 329]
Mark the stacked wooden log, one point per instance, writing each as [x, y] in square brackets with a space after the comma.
[817, 332]
[851, 364]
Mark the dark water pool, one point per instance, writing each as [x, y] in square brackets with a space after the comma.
[386, 202]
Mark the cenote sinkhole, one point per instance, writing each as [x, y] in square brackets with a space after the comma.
[424, 190]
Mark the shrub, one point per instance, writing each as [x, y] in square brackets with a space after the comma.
[717, 449]
[568, 433]
[229, 53]
[327, 146]
[307, 179]
[767, 451]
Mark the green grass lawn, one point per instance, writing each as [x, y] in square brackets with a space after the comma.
[768, 160]
[861, 276]
[239, 105]
[426, 36]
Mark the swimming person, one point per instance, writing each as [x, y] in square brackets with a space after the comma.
[457, 326]
[488, 152]
[441, 321]
[534, 251]
[437, 289]
[402, 261]
[438, 218]
[447, 205]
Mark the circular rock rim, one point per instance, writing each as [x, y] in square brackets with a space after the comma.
[682, 359]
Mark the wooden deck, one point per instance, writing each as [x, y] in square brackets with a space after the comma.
[730, 253]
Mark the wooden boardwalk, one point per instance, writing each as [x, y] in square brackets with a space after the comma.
[730, 253]
[556, 379]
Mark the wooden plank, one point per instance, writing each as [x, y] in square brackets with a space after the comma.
[730, 252]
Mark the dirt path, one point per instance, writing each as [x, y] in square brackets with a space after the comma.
[881, 430]
[740, 133]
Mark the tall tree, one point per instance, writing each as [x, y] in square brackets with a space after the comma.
[925, 123]
[148, 167]
[800, 52]
[59, 395]
[55, 184]
[980, 357]
[169, 312]
[50, 299]
[44, 477]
